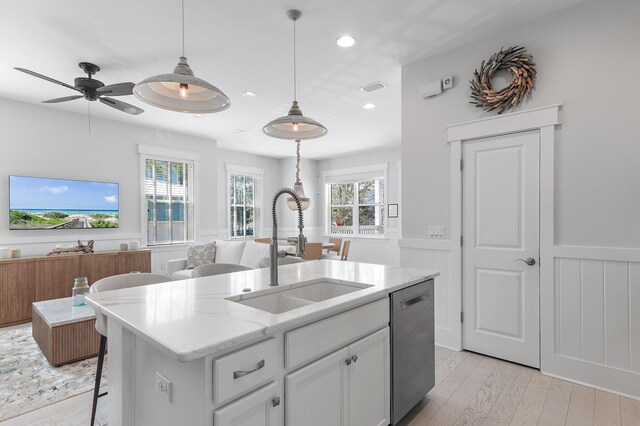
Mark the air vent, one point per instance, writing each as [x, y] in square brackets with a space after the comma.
[373, 87]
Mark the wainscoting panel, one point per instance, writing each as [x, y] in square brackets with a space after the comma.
[439, 260]
[597, 323]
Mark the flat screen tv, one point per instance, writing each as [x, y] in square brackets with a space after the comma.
[43, 203]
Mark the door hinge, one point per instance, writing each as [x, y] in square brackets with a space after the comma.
[461, 240]
[461, 316]
[461, 164]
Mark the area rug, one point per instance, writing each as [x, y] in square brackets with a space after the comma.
[29, 382]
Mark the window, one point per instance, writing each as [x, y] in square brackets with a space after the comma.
[357, 208]
[168, 189]
[244, 199]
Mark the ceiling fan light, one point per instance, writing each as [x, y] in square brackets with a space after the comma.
[181, 91]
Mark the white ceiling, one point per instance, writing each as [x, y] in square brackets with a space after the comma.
[242, 45]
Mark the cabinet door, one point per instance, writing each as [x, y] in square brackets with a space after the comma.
[98, 266]
[55, 275]
[260, 408]
[369, 383]
[316, 394]
[16, 291]
[135, 261]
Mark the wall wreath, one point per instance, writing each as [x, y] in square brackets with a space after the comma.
[515, 60]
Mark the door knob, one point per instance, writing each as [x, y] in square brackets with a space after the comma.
[354, 358]
[529, 261]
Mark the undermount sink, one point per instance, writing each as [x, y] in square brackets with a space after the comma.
[278, 301]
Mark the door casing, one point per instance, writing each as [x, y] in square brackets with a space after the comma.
[544, 119]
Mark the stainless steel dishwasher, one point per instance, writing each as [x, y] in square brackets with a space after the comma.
[412, 347]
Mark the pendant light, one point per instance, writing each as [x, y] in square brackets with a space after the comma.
[180, 90]
[297, 187]
[294, 126]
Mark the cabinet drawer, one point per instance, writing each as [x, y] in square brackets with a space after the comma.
[242, 371]
[320, 338]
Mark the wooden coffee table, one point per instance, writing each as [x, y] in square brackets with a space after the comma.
[65, 333]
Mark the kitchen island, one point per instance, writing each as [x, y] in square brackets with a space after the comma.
[231, 350]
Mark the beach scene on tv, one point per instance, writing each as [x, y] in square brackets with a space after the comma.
[42, 203]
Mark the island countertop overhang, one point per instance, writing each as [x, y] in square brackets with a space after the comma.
[192, 318]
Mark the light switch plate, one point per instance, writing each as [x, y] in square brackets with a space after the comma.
[163, 386]
[436, 232]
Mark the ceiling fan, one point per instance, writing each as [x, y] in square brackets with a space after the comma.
[92, 90]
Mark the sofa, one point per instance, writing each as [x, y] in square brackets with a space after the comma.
[246, 253]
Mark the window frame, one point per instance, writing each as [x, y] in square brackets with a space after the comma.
[354, 176]
[156, 153]
[258, 176]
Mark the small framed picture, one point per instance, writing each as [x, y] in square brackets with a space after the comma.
[392, 211]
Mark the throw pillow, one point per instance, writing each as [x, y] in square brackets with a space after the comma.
[201, 254]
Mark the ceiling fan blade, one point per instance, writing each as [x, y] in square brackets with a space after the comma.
[44, 77]
[122, 106]
[65, 99]
[120, 89]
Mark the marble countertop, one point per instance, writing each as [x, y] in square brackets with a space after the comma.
[191, 318]
[59, 312]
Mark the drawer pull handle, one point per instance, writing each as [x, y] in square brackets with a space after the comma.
[354, 358]
[275, 401]
[347, 361]
[238, 374]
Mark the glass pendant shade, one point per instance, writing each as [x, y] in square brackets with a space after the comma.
[299, 191]
[181, 91]
[294, 126]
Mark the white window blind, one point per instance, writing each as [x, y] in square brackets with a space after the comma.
[169, 199]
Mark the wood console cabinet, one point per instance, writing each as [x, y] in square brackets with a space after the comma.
[33, 279]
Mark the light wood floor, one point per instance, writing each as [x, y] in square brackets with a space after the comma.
[74, 411]
[470, 389]
[473, 389]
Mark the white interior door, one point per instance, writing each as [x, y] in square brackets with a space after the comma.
[500, 291]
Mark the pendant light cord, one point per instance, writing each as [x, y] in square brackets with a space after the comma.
[297, 161]
[295, 96]
[183, 28]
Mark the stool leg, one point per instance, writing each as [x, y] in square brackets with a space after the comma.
[96, 391]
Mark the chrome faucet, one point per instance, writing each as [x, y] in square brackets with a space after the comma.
[275, 254]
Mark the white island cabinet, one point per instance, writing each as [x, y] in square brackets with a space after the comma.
[351, 383]
[197, 352]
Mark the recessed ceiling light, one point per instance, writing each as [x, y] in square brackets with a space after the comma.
[368, 106]
[346, 41]
[249, 94]
[198, 116]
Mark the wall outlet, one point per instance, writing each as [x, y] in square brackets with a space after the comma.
[447, 82]
[436, 231]
[163, 267]
[163, 386]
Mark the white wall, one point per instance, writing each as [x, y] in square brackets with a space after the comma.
[585, 61]
[588, 330]
[41, 141]
[383, 251]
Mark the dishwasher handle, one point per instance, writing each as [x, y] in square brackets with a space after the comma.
[407, 303]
